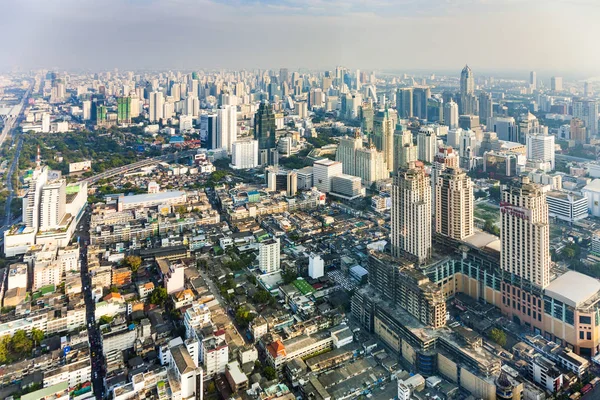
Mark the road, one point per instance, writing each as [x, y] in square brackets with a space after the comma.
[94, 336]
[136, 165]
[571, 158]
[9, 183]
[10, 121]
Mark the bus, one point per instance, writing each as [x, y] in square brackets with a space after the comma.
[586, 388]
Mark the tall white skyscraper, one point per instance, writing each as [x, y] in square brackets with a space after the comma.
[426, 144]
[533, 80]
[405, 150]
[370, 165]
[33, 197]
[46, 122]
[525, 233]
[157, 101]
[269, 255]
[411, 214]
[454, 204]
[346, 152]
[135, 105]
[226, 127]
[451, 114]
[540, 148]
[87, 110]
[323, 171]
[52, 205]
[244, 154]
[587, 111]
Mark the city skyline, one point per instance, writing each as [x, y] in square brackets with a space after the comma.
[315, 34]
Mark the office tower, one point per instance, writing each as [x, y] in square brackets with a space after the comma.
[540, 148]
[292, 183]
[587, 89]
[367, 118]
[358, 79]
[269, 255]
[587, 111]
[124, 110]
[485, 108]
[323, 171]
[264, 129]
[52, 204]
[32, 199]
[46, 122]
[468, 101]
[346, 152]
[533, 80]
[315, 98]
[156, 106]
[525, 233]
[244, 154]
[370, 165]
[420, 96]
[301, 109]
[208, 131]
[468, 148]
[453, 137]
[577, 130]
[556, 83]
[383, 136]
[192, 105]
[411, 214]
[404, 102]
[226, 127]
[87, 110]
[445, 157]
[505, 128]
[175, 91]
[405, 150]
[454, 204]
[451, 114]
[134, 110]
[426, 144]
[168, 109]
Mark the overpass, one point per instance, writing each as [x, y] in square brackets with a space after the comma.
[137, 165]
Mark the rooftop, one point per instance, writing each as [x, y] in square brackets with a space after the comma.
[182, 359]
[140, 198]
[573, 288]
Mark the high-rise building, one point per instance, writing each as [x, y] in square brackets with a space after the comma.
[370, 165]
[404, 102]
[454, 204]
[383, 136]
[411, 214]
[208, 131]
[226, 127]
[505, 128]
[323, 171]
[426, 144]
[468, 101]
[556, 83]
[485, 108]
[135, 105]
[269, 255]
[346, 152]
[87, 110]
[292, 183]
[367, 116]
[587, 111]
[264, 129]
[156, 106]
[451, 114]
[244, 154]
[124, 110]
[405, 150]
[284, 75]
[52, 204]
[533, 80]
[577, 130]
[33, 197]
[540, 148]
[525, 233]
[420, 97]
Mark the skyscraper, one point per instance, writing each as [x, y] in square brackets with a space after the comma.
[556, 83]
[525, 233]
[454, 204]
[156, 106]
[124, 110]
[346, 152]
[426, 144]
[383, 136]
[370, 165]
[468, 101]
[52, 204]
[451, 114]
[264, 130]
[405, 150]
[208, 131]
[420, 96]
[411, 214]
[226, 127]
[404, 102]
[533, 80]
[577, 130]
[540, 148]
[485, 108]
[587, 111]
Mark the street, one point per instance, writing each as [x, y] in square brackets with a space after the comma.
[94, 336]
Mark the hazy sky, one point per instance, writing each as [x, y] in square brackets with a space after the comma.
[490, 35]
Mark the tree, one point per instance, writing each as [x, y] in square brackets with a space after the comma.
[211, 388]
[243, 317]
[37, 335]
[489, 227]
[132, 262]
[495, 193]
[289, 276]
[567, 252]
[480, 194]
[270, 373]
[498, 336]
[4, 347]
[20, 343]
[261, 296]
[158, 296]
[114, 289]
[105, 319]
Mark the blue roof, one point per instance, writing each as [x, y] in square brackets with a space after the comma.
[176, 139]
[358, 270]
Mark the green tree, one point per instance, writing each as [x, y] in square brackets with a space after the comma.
[498, 336]
[243, 317]
[480, 194]
[211, 388]
[289, 276]
[20, 343]
[495, 193]
[105, 319]
[158, 296]
[567, 253]
[4, 349]
[37, 335]
[132, 262]
[261, 296]
[270, 373]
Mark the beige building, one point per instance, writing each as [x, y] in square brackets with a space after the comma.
[370, 165]
[346, 152]
[411, 213]
[454, 204]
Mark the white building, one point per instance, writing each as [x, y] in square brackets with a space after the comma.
[53, 202]
[214, 354]
[173, 275]
[370, 165]
[347, 187]
[186, 122]
[316, 266]
[545, 373]
[226, 127]
[185, 371]
[269, 255]
[17, 276]
[426, 144]
[592, 193]
[451, 114]
[323, 171]
[505, 128]
[157, 102]
[568, 207]
[540, 148]
[244, 154]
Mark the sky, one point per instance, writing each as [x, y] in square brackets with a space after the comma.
[549, 36]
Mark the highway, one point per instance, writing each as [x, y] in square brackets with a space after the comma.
[10, 121]
[136, 165]
[9, 183]
[571, 158]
